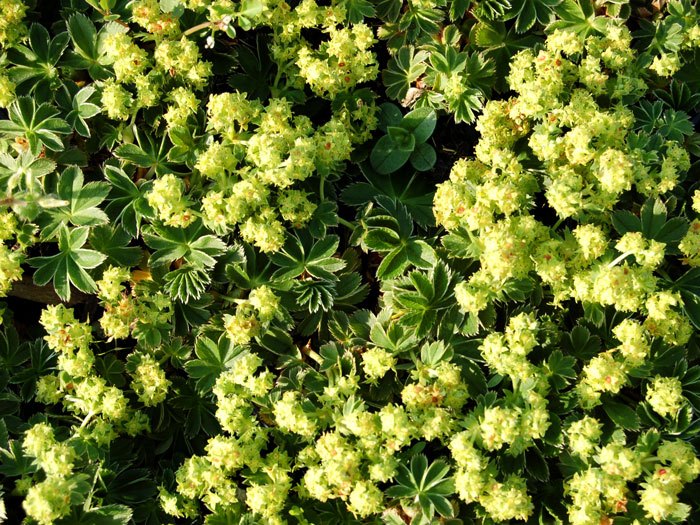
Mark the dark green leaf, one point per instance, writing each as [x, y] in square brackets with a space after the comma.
[621, 415]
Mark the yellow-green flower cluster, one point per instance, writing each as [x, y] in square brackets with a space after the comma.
[580, 140]
[376, 362]
[340, 63]
[514, 426]
[506, 354]
[49, 500]
[127, 313]
[7, 90]
[604, 489]
[209, 477]
[167, 198]
[433, 397]
[664, 318]
[53, 457]
[127, 59]
[665, 395]
[10, 267]
[608, 371]
[572, 109]
[104, 408]
[12, 28]
[70, 338]
[149, 381]
[475, 482]
[584, 435]
[252, 315]
[180, 59]
[677, 465]
[690, 244]
[263, 151]
[147, 14]
[116, 101]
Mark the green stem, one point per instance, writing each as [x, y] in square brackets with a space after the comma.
[278, 76]
[620, 259]
[314, 355]
[198, 27]
[87, 419]
[345, 223]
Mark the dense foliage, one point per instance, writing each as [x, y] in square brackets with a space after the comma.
[349, 261]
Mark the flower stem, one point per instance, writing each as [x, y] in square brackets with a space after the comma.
[198, 27]
[620, 259]
[345, 223]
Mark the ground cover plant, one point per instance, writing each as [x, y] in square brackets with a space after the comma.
[349, 262]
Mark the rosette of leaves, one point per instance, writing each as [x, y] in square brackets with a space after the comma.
[406, 140]
[425, 486]
[440, 74]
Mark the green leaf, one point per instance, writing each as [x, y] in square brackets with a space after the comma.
[402, 70]
[131, 486]
[423, 157]
[386, 157]
[580, 344]
[434, 353]
[38, 124]
[82, 109]
[134, 154]
[147, 154]
[561, 369]
[458, 8]
[382, 239]
[577, 16]
[536, 464]
[83, 201]
[358, 10]
[107, 515]
[111, 369]
[24, 172]
[13, 462]
[186, 283]
[625, 221]
[84, 36]
[421, 122]
[426, 484]
[251, 8]
[68, 266]
[689, 287]
[527, 16]
[489, 35]
[401, 137]
[315, 296]
[621, 415]
[35, 71]
[415, 193]
[389, 115]
[493, 9]
[127, 202]
[301, 255]
[172, 6]
[420, 300]
[531, 11]
[212, 359]
[188, 243]
[393, 264]
[675, 125]
[420, 254]
[691, 307]
[114, 243]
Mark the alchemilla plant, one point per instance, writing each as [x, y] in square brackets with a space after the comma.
[329, 262]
